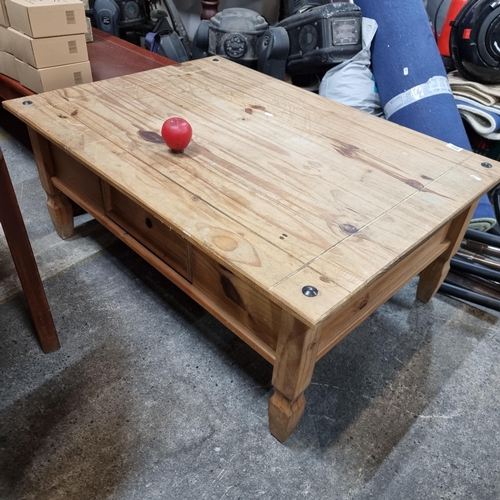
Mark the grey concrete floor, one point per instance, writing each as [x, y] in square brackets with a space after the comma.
[151, 398]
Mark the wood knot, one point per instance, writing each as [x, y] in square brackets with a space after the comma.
[225, 242]
[364, 301]
[348, 228]
[348, 150]
[231, 292]
[414, 184]
[150, 136]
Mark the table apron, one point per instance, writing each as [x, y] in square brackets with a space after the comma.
[371, 297]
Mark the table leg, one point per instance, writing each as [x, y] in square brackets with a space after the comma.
[434, 274]
[61, 212]
[58, 204]
[295, 359]
[22, 255]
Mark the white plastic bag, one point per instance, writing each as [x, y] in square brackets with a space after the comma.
[352, 82]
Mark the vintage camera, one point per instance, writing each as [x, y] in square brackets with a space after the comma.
[322, 36]
[233, 33]
[132, 12]
[308, 42]
[117, 16]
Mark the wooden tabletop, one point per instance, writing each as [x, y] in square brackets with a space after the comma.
[282, 187]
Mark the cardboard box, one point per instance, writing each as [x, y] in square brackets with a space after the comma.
[44, 18]
[4, 17]
[8, 65]
[51, 51]
[89, 35]
[5, 44]
[55, 77]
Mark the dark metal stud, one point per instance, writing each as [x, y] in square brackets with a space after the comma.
[310, 291]
[485, 164]
[27, 103]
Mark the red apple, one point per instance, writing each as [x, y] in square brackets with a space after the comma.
[176, 133]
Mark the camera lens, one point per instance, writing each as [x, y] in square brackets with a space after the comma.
[131, 10]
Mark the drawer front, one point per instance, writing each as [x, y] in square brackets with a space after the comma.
[77, 178]
[165, 243]
[239, 300]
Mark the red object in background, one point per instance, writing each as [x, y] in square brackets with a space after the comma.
[176, 133]
[444, 37]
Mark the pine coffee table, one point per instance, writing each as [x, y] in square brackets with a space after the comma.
[289, 217]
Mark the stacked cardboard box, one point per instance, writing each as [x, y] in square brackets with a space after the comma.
[4, 18]
[89, 35]
[7, 59]
[47, 38]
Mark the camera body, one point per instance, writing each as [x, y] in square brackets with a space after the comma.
[312, 40]
[233, 34]
[116, 16]
[132, 13]
[321, 36]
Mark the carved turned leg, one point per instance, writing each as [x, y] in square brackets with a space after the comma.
[59, 206]
[295, 359]
[209, 8]
[61, 212]
[434, 274]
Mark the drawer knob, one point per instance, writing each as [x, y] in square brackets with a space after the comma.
[149, 223]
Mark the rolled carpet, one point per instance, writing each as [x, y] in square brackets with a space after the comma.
[485, 120]
[410, 75]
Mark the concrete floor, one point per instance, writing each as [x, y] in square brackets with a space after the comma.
[151, 398]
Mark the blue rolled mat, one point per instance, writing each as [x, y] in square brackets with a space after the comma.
[410, 74]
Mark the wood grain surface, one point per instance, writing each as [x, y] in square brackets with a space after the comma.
[281, 187]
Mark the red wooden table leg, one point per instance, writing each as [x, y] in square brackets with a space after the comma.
[22, 255]
[209, 8]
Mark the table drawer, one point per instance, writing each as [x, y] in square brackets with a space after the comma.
[76, 178]
[252, 308]
[160, 239]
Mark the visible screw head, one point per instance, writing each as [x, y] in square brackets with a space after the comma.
[27, 103]
[485, 164]
[310, 291]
